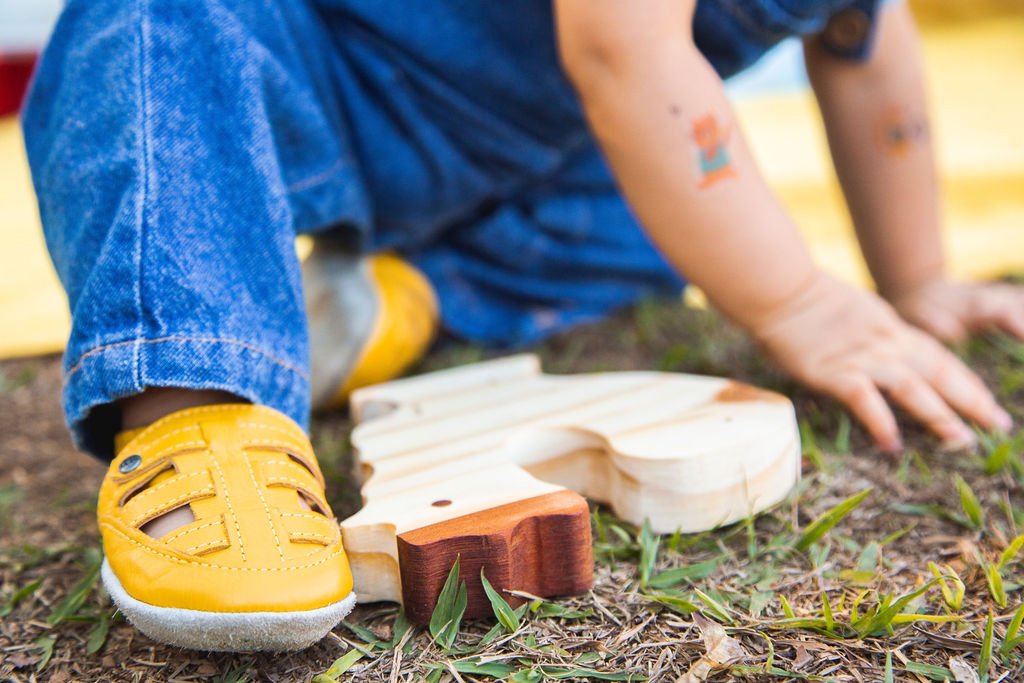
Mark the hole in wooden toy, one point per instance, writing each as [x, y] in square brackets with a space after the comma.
[441, 503]
[372, 410]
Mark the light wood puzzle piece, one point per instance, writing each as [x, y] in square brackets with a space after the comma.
[488, 462]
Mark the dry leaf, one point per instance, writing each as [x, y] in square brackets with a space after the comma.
[963, 671]
[721, 650]
[803, 657]
[207, 669]
[20, 659]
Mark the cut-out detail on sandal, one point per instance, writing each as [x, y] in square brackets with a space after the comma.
[306, 538]
[207, 547]
[304, 465]
[294, 456]
[312, 504]
[159, 461]
[145, 483]
[169, 522]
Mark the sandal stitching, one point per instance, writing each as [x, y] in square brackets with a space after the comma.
[295, 434]
[289, 483]
[281, 481]
[173, 480]
[314, 474]
[312, 535]
[159, 458]
[196, 548]
[188, 412]
[332, 555]
[185, 532]
[162, 437]
[167, 506]
[231, 509]
[317, 520]
[266, 508]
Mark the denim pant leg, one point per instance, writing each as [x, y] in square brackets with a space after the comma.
[563, 252]
[176, 147]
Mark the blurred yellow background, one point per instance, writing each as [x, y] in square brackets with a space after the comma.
[975, 58]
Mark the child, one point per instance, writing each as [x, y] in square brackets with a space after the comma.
[178, 147]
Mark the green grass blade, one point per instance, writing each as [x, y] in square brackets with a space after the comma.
[563, 672]
[994, 579]
[80, 593]
[888, 675]
[366, 635]
[969, 502]
[649, 543]
[1011, 640]
[842, 442]
[399, 630]
[675, 603]
[883, 618]
[1011, 551]
[18, 596]
[997, 459]
[715, 607]
[341, 665]
[930, 671]
[953, 597]
[506, 616]
[451, 606]
[810, 449]
[817, 529]
[98, 634]
[693, 572]
[787, 609]
[475, 667]
[985, 658]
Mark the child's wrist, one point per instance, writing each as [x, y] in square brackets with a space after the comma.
[813, 286]
[899, 286]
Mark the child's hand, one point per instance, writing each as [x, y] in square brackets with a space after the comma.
[851, 345]
[952, 310]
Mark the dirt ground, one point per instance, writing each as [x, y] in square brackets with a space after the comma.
[858, 602]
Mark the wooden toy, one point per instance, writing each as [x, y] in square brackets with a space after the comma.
[489, 463]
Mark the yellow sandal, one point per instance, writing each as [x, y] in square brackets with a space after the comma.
[261, 566]
[370, 318]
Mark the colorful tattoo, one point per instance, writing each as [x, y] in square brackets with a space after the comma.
[898, 132]
[712, 155]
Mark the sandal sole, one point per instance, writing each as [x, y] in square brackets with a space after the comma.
[227, 631]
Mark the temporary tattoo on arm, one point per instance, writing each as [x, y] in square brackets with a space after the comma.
[713, 157]
[897, 131]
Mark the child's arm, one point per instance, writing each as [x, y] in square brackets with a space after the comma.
[877, 121]
[659, 112]
[876, 115]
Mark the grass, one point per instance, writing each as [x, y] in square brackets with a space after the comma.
[877, 568]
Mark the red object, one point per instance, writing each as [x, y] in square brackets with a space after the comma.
[15, 72]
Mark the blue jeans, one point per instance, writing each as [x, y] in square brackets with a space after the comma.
[178, 147]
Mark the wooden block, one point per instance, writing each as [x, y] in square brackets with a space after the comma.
[487, 463]
[540, 545]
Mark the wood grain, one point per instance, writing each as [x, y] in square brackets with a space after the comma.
[540, 545]
[481, 462]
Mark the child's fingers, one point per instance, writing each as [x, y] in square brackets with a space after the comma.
[1000, 306]
[908, 389]
[858, 392]
[943, 324]
[1011, 319]
[959, 386]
